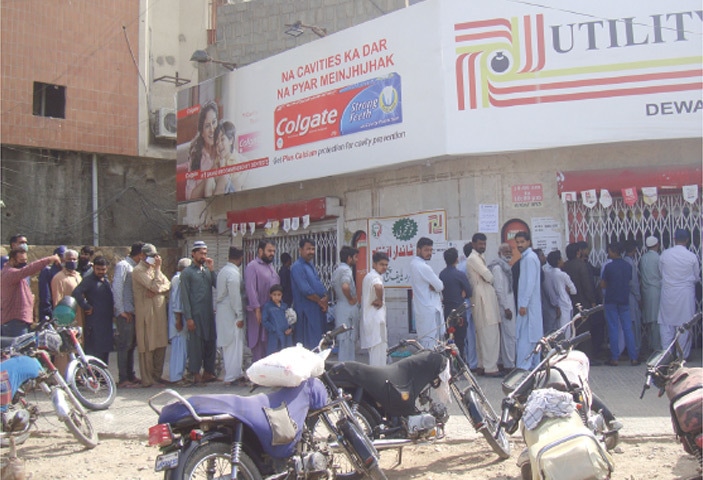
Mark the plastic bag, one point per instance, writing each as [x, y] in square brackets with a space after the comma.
[287, 368]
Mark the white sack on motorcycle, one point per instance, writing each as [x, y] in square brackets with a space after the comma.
[288, 368]
[283, 427]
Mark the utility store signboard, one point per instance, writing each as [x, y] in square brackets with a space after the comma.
[522, 75]
[449, 77]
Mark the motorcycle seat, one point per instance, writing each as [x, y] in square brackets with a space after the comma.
[251, 411]
[395, 387]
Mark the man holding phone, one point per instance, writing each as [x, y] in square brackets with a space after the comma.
[150, 287]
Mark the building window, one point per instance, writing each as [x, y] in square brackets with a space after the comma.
[49, 100]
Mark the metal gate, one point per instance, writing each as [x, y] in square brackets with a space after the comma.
[325, 249]
[619, 222]
[600, 226]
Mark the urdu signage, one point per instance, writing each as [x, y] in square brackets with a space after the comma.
[442, 78]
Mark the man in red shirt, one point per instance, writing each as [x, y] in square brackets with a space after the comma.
[16, 298]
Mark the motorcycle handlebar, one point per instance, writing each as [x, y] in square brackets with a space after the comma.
[576, 340]
[693, 321]
[328, 337]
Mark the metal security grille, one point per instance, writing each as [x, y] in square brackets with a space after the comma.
[325, 250]
[600, 226]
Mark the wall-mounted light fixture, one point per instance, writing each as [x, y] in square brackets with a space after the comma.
[201, 56]
[298, 28]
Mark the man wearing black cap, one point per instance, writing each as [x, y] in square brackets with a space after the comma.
[197, 282]
[680, 271]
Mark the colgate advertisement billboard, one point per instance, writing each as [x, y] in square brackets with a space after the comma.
[364, 106]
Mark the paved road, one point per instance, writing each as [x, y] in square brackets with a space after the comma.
[619, 387]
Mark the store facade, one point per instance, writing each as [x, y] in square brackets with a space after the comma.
[483, 120]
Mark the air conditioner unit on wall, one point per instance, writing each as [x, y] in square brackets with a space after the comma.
[165, 124]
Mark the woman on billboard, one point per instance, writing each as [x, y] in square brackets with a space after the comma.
[224, 142]
[202, 153]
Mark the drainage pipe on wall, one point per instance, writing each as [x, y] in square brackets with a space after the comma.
[96, 224]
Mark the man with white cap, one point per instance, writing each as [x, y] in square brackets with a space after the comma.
[197, 282]
[680, 271]
[150, 286]
[651, 285]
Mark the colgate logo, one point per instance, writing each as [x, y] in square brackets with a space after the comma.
[301, 125]
[248, 142]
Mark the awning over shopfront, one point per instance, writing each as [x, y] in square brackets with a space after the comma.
[317, 208]
[668, 178]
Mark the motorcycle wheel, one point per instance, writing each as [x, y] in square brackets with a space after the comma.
[526, 471]
[321, 433]
[212, 460]
[95, 391]
[80, 425]
[477, 410]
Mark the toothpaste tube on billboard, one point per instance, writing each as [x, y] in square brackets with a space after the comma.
[364, 106]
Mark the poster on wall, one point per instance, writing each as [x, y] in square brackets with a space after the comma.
[397, 237]
[547, 234]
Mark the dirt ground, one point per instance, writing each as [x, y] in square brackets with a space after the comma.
[58, 456]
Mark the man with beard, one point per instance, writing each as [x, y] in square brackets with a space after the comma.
[259, 277]
[503, 284]
[84, 257]
[528, 328]
[197, 282]
[309, 296]
[427, 299]
[486, 309]
[16, 299]
[94, 295]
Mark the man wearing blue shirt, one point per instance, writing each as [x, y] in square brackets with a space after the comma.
[456, 289]
[309, 297]
[616, 282]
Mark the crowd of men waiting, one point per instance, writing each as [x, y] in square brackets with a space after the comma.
[512, 303]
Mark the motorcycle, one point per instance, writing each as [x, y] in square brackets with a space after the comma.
[39, 345]
[567, 429]
[17, 415]
[683, 387]
[267, 435]
[396, 402]
[88, 377]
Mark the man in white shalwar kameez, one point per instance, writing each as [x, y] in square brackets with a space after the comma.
[486, 309]
[427, 297]
[529, 303]
[503, 284]
[651, 285]
[560, 288]
[229, 317]
[680, 271]
[373, 334]
[176, 332]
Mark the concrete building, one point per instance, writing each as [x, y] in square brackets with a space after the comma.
[88, 117]
[571, 169]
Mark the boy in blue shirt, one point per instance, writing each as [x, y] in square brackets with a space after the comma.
[273, 317]
[616, 282]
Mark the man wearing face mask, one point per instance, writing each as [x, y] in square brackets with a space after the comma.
[150, 287]
[16, 299]
[18, 240]
[47, 274]
[66, 281]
